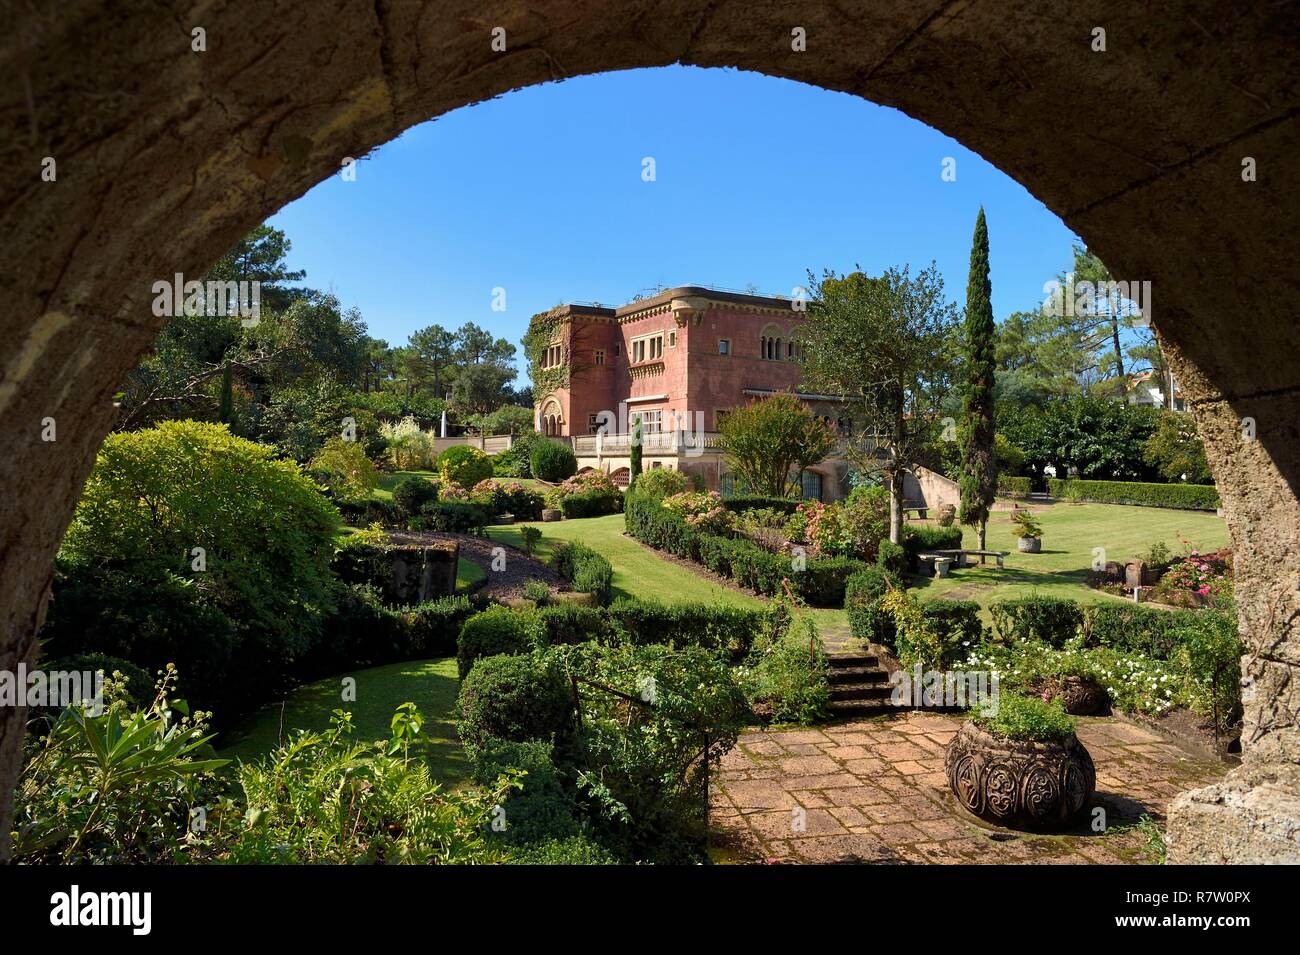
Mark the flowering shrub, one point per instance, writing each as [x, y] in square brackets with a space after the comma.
[453, 492]
[702, 510]
[1133, 682]
[1198, 580]
[827, 530]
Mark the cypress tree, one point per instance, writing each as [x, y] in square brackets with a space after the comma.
[226, 410]
[634, 469]
[979, 473]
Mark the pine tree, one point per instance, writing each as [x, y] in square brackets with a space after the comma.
[979, 475]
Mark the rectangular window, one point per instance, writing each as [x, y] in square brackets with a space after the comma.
[651, 421]
[724, 346]
[593, 423]
[672, 339]
[618, 349]
[811, 485]
[648, 348]
[600, 356]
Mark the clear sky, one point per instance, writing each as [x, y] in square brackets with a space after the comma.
[540, 192]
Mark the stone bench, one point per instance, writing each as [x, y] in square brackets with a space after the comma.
[960, 556]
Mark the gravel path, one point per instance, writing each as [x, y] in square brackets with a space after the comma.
[509, 581]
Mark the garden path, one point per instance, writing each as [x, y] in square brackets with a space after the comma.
[874, 790]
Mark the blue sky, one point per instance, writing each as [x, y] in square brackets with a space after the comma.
[540, 192]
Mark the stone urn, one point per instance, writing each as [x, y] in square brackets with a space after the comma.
[1029, 545]
[1080, 696]
[550, 514]
[1020, 784]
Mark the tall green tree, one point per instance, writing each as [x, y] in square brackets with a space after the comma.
[772, 440]
[979, 470]
[883, 343]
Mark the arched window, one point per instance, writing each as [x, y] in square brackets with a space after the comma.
[762, 346]
[776, 352]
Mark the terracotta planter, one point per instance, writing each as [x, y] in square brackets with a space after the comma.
[1029, 545]
[1080, 696]
[1018, 783]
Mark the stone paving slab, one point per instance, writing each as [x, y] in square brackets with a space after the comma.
[874, 791]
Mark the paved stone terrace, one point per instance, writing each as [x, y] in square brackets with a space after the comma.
[875, 791]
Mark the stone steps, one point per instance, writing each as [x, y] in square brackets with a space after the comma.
[859, 686]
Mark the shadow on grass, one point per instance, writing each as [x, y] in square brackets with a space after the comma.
[432, 685]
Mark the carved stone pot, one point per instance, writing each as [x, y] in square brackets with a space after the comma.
[1029, 545]
[1018, 783]
[1080, 696]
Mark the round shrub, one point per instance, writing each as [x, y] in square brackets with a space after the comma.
[412, 493]
[552, 461]
[343, 468]
[862, 595]
[659, 483]
[1028, 718]
[514, 698]
[544, 808]
[496, 630]
[891, 558]
[464, 466]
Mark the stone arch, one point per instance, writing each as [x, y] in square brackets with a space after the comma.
[166, 159]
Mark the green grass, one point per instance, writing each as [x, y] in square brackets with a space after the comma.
[638, 571]
[431, 684]
[1070, 532]
[468, 573]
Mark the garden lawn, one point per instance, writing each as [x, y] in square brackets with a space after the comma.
[638, 570]
[1070, 534]
[431, 684]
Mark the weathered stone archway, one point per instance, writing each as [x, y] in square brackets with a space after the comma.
[166, 155]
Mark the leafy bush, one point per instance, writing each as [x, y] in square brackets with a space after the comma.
[1014, 487]
[552, 461]
[790, 674]
[324, 798]
[924, 539]
[1028, 718]
[514, 461]
[822, 582]
[640, 766]
[1050, 619]
[343, 467]
[958, 617]
[826, 530]
[592, 503]
[543, 807]
[1209, 655]
[660, 483]
[708, 625]
[524, 504]
[569, 623]
[496, 630]
[892, 558]
[575, 850]
[1197, 497]
[412, 493]
[702, 510]
[457, 517]
[514, 698]
[933, 643]
[113, 787]
[1135, 629]
[588, 571]
[537, 591]
[866, 517]
[154, 621]
[862, 596]
[409, 446]
[138, 688]
[464, 466]
[266, 532]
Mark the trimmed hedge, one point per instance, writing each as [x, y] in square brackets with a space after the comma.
[821, 582]
[950, 615]
[588, 571]
[922, 539]
[862, 595]
[1050, 619]
[567, 623]
[891, 557]
[593, 503]
[694, 624]
[514, 698]
[1137, 629]
[1196, 497]
[497, 630]
[1015, 487]
[459, 517]
[552, 461]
